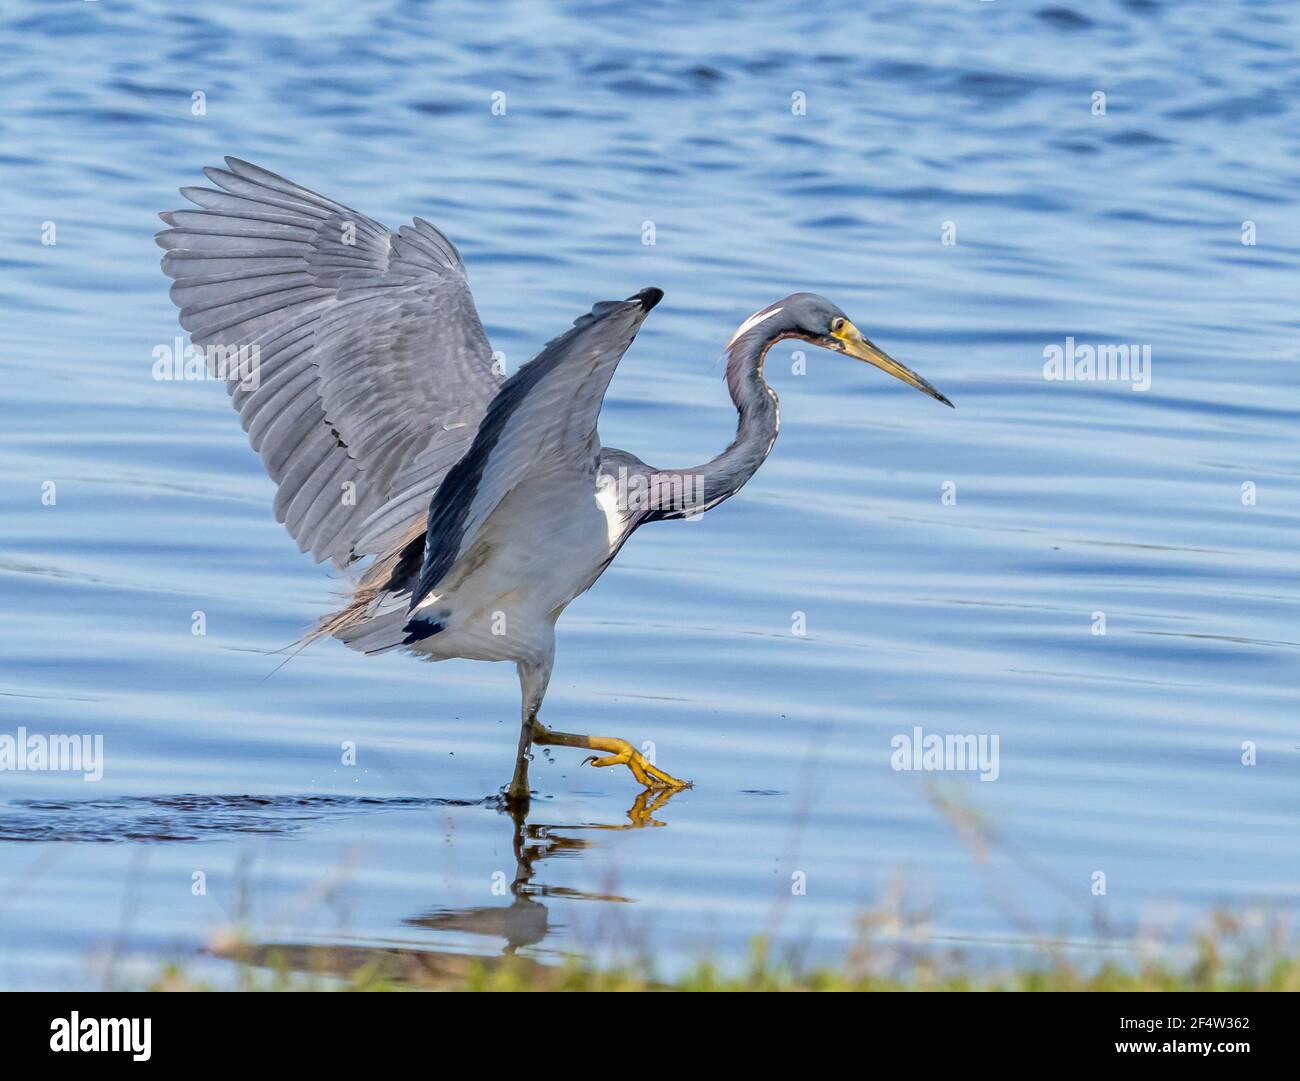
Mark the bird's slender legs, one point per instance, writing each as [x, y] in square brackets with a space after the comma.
[533, 679]
[621, 753]
[518, 792]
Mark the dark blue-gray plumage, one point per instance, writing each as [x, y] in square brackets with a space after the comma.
[485, 507]
[599, 338]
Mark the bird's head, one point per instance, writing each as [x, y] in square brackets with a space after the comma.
[815, 319]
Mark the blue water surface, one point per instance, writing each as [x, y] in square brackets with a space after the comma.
[946, 173]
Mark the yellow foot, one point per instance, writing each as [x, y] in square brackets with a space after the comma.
[624, 754]
[642, 769]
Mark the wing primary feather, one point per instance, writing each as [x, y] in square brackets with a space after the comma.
[367, 343]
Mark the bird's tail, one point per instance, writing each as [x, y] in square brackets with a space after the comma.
[376, 630]
[373, 618]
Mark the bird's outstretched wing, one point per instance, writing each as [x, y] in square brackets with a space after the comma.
[365, 369]
[543, 419]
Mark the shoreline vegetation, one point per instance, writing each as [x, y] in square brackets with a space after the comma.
[1231, 955]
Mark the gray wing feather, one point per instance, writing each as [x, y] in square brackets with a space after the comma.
[373, 369]
[544, 417]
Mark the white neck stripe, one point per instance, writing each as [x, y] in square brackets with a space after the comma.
[752, 322]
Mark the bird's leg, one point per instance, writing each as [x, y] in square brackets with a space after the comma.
[620, 753]
[517, 795]
[533, 679]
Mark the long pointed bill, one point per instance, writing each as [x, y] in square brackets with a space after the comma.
[851, 341]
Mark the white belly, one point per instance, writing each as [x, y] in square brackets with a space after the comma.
[547, 542]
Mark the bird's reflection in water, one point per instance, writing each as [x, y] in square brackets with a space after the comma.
[524, 922]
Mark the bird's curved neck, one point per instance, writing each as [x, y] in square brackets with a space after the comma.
[756, 429]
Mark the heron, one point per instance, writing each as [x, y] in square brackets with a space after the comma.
[469, 508]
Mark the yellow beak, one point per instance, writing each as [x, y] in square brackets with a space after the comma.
[848, 339]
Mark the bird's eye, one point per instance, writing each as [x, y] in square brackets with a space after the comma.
[838, 325]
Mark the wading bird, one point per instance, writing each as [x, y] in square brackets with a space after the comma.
[484, 505]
